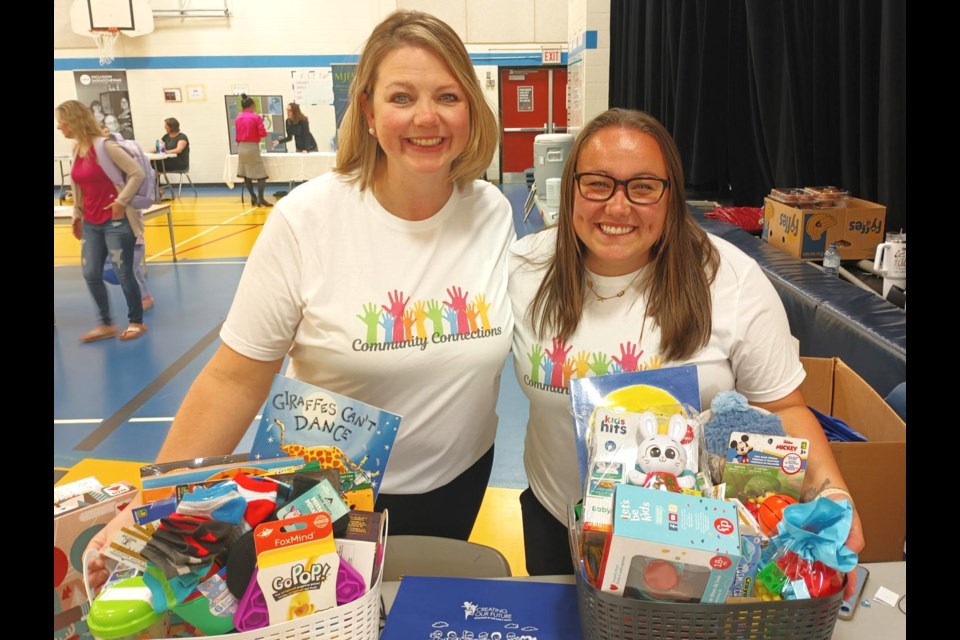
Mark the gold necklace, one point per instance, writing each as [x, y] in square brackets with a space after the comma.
[601, 298]
[618, 294]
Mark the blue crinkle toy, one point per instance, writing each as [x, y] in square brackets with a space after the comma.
[729, 412]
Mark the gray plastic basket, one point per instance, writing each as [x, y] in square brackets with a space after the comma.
[608, 617]
[605, 616]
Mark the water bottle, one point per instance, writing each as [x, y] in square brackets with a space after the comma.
[156, 146]
[831, 260]
[163, 147]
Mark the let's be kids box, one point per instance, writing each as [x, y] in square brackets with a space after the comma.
[670, 546]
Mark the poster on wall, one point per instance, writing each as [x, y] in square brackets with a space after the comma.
[342, 77]
[312, 86]
[105, 92]
[270, 109]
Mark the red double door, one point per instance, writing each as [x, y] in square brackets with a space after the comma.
[533, 100]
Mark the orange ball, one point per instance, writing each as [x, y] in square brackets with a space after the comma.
[770, 512]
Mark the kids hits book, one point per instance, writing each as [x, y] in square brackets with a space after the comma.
[301, 419]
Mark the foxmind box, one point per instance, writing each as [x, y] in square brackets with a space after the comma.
[806, 233]
[875, 471]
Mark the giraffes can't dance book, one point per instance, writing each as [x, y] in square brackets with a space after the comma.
[302, 419]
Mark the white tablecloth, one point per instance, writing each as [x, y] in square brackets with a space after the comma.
[285, 167]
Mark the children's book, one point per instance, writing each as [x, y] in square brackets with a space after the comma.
[161, 487]
[428, 607]
[302, 419]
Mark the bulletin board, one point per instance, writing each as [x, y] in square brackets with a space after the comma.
[270, 109]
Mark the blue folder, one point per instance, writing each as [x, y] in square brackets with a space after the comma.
[440, 607]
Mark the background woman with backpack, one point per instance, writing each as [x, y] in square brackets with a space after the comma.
[103, 219]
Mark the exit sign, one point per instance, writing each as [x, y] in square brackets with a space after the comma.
[551, 56]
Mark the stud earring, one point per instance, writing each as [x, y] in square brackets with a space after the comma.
[372, 132]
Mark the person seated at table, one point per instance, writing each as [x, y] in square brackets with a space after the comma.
[177, 145]
[298, 128]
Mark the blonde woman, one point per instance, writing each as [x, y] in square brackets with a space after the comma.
[384, 281]
[102, 219]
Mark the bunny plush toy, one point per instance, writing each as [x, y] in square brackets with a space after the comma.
[661, 458]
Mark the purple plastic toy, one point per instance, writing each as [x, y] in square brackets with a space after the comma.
[252, 609]
[349, 583]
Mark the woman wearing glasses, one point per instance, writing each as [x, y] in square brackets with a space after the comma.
[629, 281]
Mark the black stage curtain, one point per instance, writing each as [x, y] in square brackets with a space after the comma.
[772, 93]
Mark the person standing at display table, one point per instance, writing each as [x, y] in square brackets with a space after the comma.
[250, 167]
[176, 144]
[102, 220]
[298, 128]
[629, 277]
[414, 318]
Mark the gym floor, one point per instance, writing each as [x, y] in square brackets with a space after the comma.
[114, 401]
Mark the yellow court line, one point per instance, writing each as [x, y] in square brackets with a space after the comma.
[211, 214]
[202, 233]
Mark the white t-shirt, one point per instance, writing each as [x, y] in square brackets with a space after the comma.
[750, 350]
[329, 261]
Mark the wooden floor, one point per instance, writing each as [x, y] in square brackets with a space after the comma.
[113, 402]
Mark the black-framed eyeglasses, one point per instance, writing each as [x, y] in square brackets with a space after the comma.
[599, 187]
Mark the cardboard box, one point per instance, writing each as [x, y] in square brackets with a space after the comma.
[73, 528]
[806, 233]
[875, 471]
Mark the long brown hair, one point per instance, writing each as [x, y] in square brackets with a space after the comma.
[358, 151]
[683, 261]
[83, 124]
[295, 114]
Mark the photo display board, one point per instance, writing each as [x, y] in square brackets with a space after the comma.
[270, 109]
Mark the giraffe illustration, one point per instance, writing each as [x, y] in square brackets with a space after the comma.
[329, 457]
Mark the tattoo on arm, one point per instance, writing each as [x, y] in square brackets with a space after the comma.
[810, 493]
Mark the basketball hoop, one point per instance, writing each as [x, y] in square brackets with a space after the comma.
[106, 39]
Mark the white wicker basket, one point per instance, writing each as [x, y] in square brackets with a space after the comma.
[357, 620]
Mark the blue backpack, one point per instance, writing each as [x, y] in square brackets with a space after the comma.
[146, 194]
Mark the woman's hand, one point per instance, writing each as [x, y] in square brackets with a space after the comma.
[117, 211]
[97, 569]
[855, 542]
[77, 225]
[275, 143]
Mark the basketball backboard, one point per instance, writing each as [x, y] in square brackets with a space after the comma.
[131, 17]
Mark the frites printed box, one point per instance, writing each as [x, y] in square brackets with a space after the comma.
[805, 233]
[670, 546]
